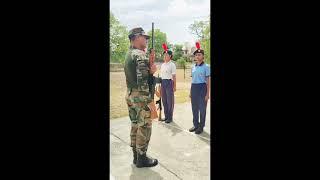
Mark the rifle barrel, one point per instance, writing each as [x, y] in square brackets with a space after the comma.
[152, 45]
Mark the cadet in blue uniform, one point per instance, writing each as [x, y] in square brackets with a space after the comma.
[200, 89]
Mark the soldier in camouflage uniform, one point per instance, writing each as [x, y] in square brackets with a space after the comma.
[137, 71]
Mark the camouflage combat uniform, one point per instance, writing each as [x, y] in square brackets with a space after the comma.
[138, 97]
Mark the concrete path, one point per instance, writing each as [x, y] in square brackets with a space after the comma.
[181, 154]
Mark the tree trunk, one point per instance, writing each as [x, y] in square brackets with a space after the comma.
[184, 71]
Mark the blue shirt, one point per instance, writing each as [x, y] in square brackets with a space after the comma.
[199, 73]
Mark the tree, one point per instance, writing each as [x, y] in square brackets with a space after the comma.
[182, 62]
[177, 52]
[159, 39]
[206, 44]
[119, 42]
[201, 30]
[198, 28]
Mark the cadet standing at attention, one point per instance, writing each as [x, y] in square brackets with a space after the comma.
[168, 84]
[200, 89]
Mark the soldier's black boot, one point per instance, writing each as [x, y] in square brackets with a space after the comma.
[144, 161]
[134, 156]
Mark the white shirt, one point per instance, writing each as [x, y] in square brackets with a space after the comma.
[167, 70]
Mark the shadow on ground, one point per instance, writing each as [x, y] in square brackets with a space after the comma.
[144, 174]
[175, 130]
[206, 135]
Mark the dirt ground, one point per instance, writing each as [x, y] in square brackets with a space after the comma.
[118, 88]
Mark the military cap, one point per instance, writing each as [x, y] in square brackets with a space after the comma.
[137, 31]
[198, 50]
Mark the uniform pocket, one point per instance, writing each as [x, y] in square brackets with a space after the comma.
[148, 113]
[133, 115]
[129, 101]
[144, 116]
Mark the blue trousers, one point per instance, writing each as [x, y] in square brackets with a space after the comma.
[167, 96]
[198, 103]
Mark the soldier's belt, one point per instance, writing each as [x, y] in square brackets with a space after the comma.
[130, 90]
[133, 89]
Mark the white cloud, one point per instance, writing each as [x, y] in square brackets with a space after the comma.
[171, 16]
[178, 8]
[131, 4]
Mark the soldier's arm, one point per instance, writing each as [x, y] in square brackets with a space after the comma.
[153, 69]
[142, 70]
[152, 57]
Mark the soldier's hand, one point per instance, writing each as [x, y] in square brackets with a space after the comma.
[152, 56]
[153, 52]
[153, 69]
[152, 107]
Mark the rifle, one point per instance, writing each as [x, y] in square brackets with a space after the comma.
[159, 101]
[152, 40]
[152, 79]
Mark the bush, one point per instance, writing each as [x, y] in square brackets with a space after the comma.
[181, 62]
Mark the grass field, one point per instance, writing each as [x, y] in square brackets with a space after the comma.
[118, 88]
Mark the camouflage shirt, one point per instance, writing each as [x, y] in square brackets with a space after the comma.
[137, 70]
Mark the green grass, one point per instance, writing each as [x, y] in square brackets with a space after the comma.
[118, 106]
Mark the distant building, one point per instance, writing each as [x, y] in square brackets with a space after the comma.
[188, 51]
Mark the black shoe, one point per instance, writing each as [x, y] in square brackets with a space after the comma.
[165, 119]
[199, 131]
[193, 129]
[168, 120]
[134, 156]
[144, 161]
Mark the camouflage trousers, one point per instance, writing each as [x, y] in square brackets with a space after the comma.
[141, 124]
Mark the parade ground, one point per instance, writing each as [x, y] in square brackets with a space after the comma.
[181, 154]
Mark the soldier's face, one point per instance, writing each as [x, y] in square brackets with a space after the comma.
[142, 40]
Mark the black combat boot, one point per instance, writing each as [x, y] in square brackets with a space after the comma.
[144, 161]
[134, 155]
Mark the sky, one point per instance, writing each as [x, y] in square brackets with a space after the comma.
[172, 17]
